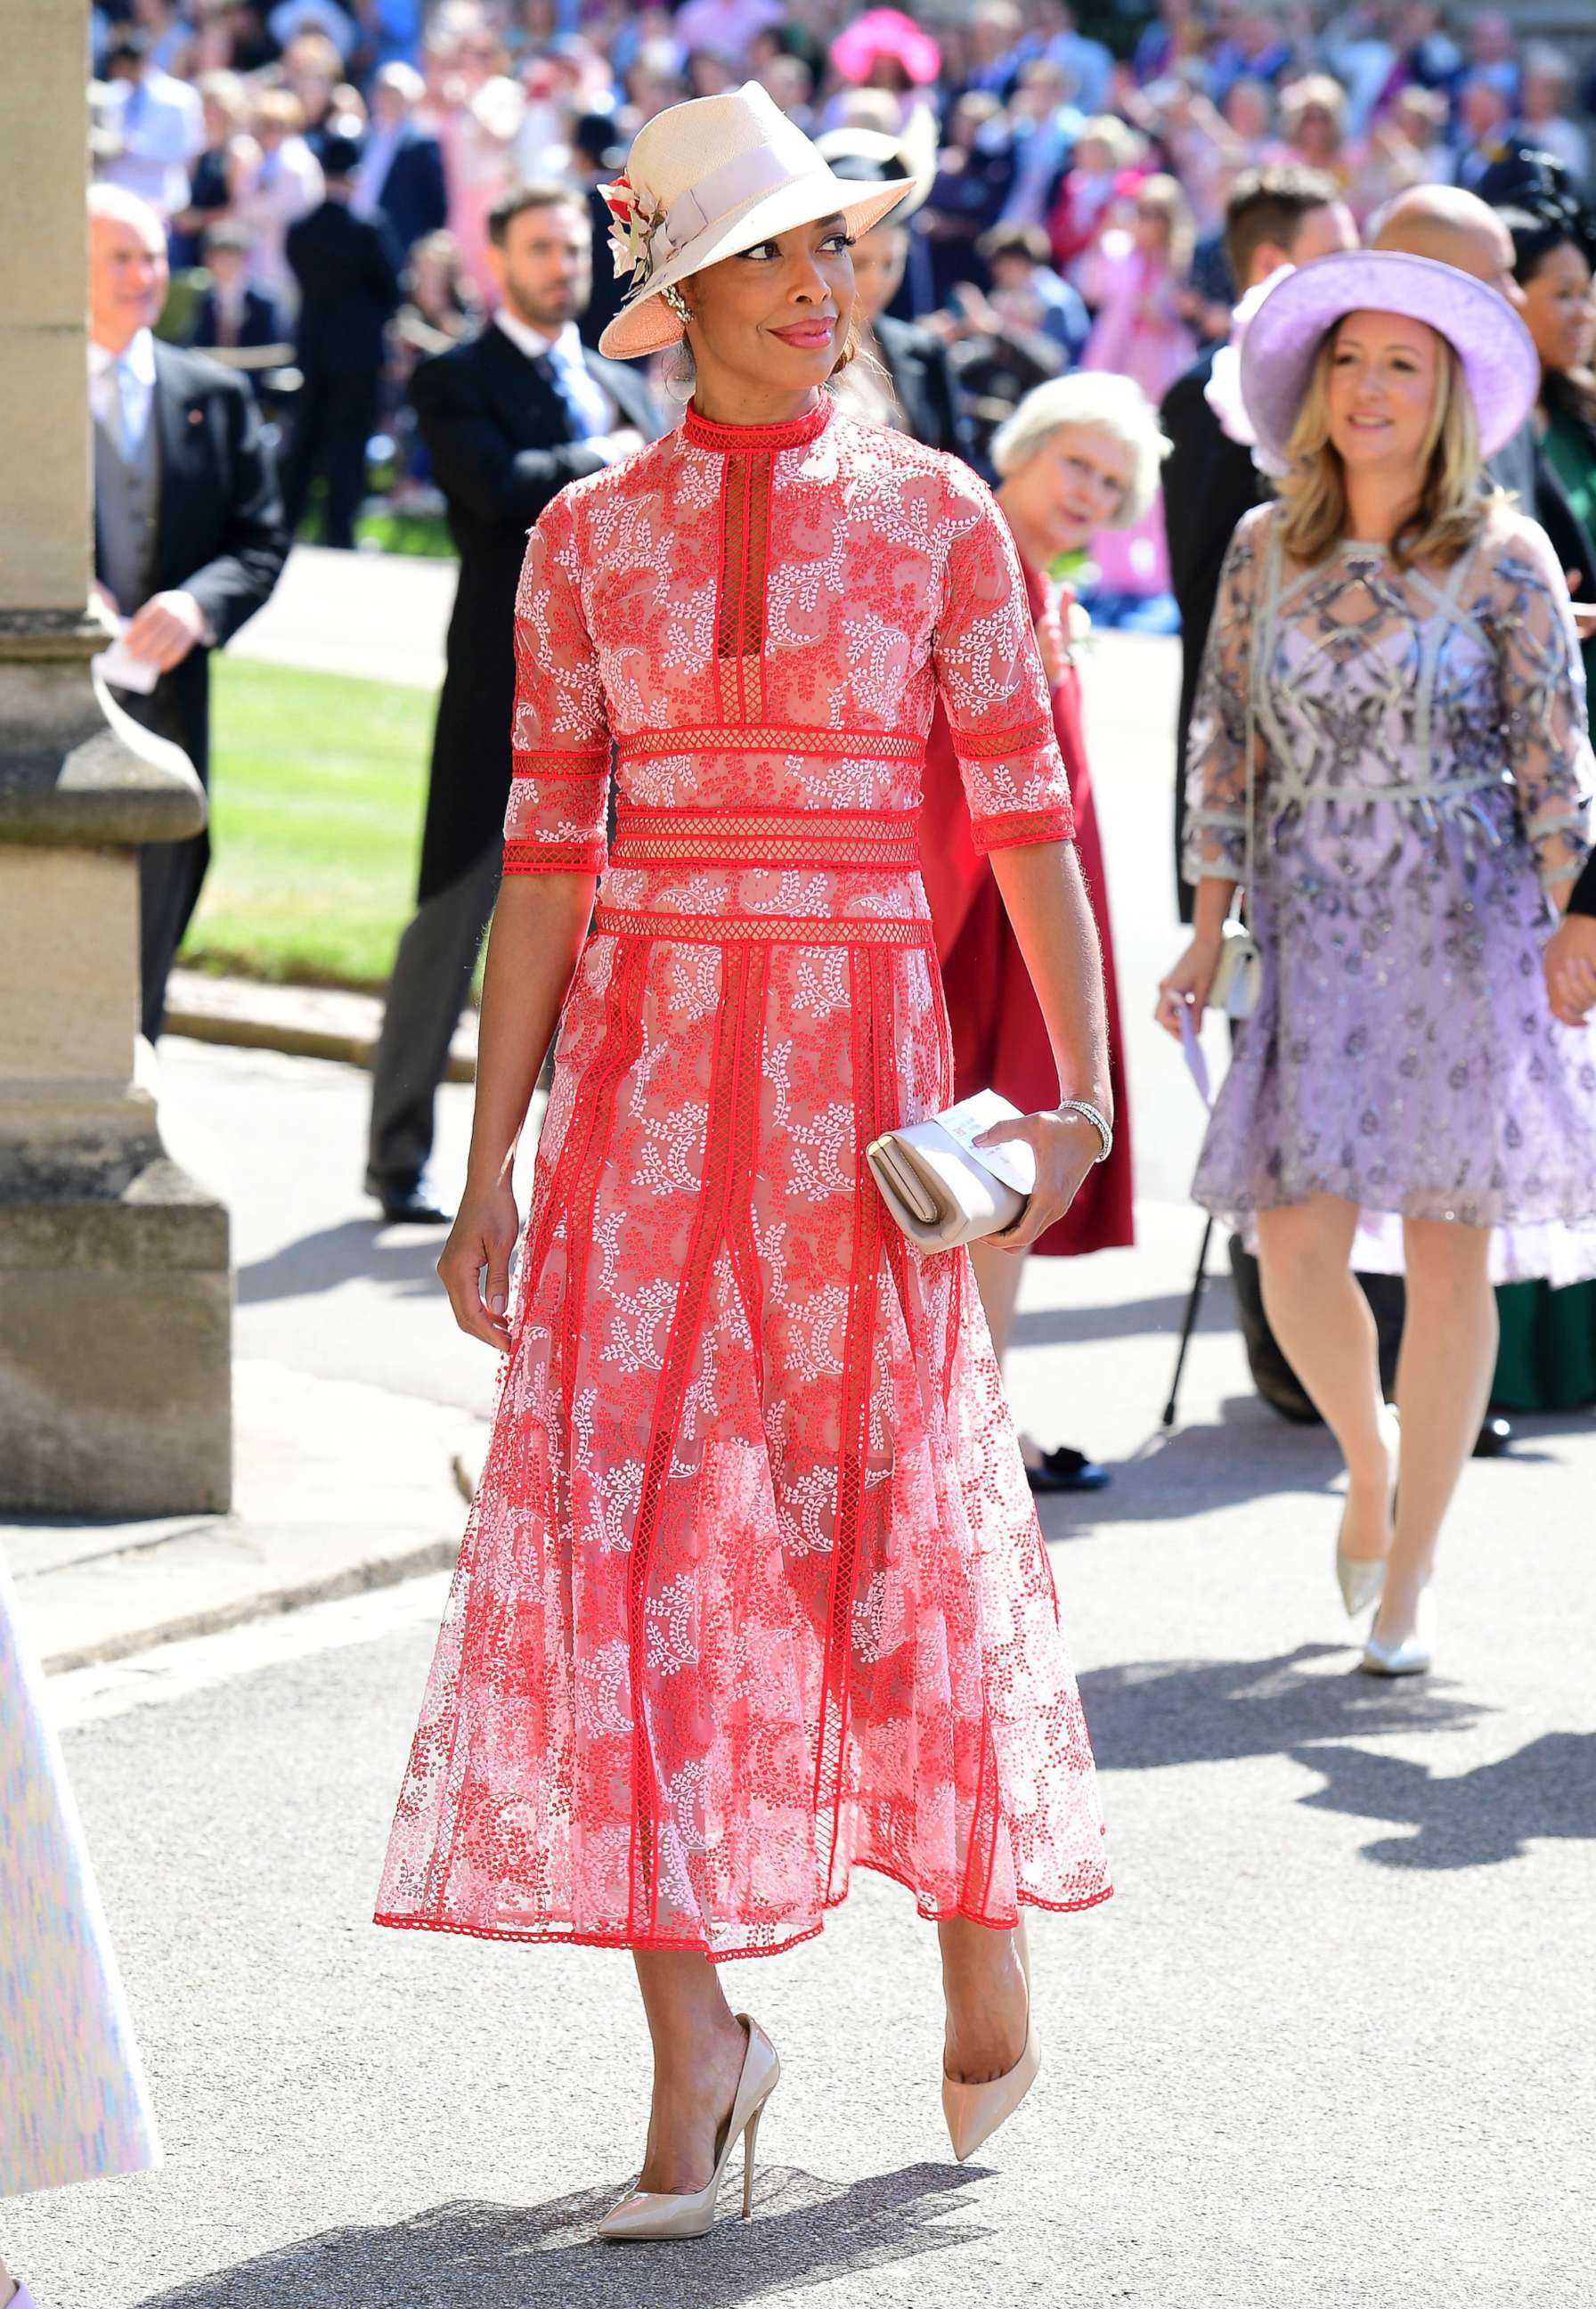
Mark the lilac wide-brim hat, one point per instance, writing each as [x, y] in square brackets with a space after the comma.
[1500, 364]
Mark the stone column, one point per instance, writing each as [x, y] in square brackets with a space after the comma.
[114, 1291]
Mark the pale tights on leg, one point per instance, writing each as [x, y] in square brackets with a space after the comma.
[1322, 1322]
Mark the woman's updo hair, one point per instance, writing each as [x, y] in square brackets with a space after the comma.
[1537, 234]
[1115, 405]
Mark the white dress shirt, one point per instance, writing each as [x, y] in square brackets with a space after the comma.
[589, 404]
[371, 175]
[162, 128]
[122, 390]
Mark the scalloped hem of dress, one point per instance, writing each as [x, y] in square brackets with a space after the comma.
[554, 1933]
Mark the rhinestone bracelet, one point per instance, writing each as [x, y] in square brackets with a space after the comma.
[1085, 1107]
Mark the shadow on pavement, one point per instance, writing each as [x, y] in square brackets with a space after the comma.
[1151, 1712]
[805, 2232]
[1473, 1818]
[1248, 1453]
[1136, 1319]
[353, 1251]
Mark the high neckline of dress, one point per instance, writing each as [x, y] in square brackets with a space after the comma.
[755, 440]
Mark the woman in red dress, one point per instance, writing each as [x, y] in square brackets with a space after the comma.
[1079, 453]
[753, 1592]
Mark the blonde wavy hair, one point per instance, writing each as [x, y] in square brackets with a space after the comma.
[1452, 507]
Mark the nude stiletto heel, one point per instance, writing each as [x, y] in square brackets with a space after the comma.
[1361, 1578]
[975, 2112]
[650, 2213]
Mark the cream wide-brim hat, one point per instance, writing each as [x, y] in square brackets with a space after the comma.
[709, 178]
[1500, 365]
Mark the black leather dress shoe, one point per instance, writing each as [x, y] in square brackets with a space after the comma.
[415, 1206]
[1495, 1438]
[1064, 1470]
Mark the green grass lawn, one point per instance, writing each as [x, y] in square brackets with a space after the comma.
[317, 786]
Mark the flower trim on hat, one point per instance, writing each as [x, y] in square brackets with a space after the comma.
[635, 220]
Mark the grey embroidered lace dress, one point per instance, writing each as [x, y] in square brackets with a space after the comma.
[1423, 779]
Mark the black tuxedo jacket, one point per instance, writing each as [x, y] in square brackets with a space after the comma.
[413, 197]
[923, 380]
[498, 437]
[348, 268]
[1210, 481]
[220, 533]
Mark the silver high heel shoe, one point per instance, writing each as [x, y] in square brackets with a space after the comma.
[1414, 1654]
[1361, 1578]
[975, 2112]
[657, 2213]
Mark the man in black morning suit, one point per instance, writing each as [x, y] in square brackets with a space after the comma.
[508, 420]
[1273, 217]
[188, 530]
[348, 268]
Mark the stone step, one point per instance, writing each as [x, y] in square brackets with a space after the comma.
[311, 1022]
[339, 1486]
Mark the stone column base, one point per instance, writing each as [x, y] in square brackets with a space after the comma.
[116, 1382]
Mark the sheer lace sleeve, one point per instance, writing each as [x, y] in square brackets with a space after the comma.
[1542, 682]
[989, 673]
[1215, 847]
[555, 823]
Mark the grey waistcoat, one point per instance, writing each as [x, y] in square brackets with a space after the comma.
[127, 508]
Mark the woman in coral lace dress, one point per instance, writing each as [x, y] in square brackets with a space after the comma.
[752, 1592]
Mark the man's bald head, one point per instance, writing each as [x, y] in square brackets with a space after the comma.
[127, 266]
[1451, 226]
[115, 202]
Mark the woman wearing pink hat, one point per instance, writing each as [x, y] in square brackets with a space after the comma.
[1391, 756]
[753, 1593]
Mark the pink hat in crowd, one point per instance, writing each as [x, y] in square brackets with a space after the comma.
[886, 32]
[1500, 364]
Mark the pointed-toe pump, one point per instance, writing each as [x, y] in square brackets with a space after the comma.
[1362, 1578]
[975, 2112]
[653, 2213]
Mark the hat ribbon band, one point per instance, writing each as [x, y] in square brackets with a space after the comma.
[699, 206]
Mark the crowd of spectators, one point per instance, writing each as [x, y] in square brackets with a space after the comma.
[1079, 162]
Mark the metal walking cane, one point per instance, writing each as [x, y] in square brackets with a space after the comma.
[1190, 1324]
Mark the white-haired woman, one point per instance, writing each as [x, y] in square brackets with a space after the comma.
[1079, 454]
[753, 1594]
[1390, 751]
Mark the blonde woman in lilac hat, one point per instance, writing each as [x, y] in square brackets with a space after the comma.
[1390, 758]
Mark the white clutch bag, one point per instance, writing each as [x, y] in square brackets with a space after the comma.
[939, 1188]
[1239, 979]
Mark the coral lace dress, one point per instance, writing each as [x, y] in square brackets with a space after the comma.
[752, 1593]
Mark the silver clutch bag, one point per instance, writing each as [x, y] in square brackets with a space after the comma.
[1239, 976]
[939, 1188]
